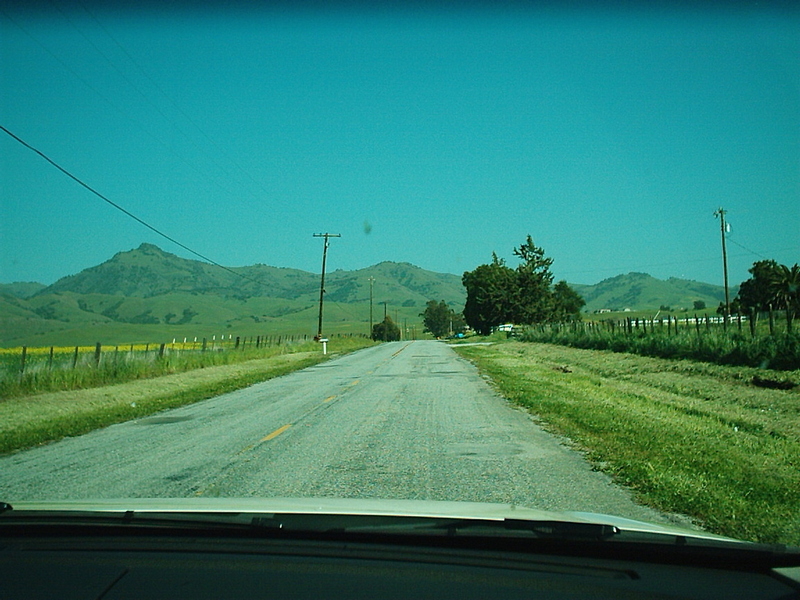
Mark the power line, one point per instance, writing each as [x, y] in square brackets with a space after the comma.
[746, 248]
[142, 127]
[120, 208]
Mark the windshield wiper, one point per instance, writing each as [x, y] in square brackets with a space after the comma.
[437, 526]
[539, 529]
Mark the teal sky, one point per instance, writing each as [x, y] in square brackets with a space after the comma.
[421, 133]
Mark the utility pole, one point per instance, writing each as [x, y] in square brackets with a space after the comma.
[322, 282]
[721, 214]
[371, 281]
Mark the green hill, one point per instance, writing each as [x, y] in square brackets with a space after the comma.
[20, 289]
[640, 291]
[147, 294]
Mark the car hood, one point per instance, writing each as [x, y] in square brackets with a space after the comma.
[353, 507]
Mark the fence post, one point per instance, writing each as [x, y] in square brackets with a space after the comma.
[22, 362]
[753, 317]
[205, 344]
[236, 345]
[97, 351]
[50, 359]
[161, 351]
[697, 323]
[75, 358]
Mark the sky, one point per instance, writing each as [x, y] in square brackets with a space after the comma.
[429, 133]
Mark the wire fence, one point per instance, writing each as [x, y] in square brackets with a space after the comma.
[765, 340]
[25, 370]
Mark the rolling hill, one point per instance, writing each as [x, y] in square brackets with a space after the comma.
[640, 291]
[148, 295]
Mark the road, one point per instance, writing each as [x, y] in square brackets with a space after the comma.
[405, 420]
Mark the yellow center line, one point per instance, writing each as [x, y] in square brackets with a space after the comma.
[401, 349]
[329, 398]
[276, 433]
[355, 382]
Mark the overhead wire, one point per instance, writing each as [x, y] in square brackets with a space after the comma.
[120, 208]
[140, 127]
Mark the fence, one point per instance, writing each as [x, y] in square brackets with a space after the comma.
[759, 341]
[45, 368]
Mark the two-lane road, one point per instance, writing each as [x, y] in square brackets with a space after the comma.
[405, 420]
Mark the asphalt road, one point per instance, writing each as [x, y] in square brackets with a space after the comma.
[407, 420]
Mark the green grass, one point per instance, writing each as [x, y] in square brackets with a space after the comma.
[689, 438]
[119, 364]
[780, 351]
[32, 420]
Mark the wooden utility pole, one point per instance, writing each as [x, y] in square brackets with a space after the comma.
[322, 281]
[371, 281]
[721, 214]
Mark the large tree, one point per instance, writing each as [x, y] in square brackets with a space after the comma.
[439, 319]
[758, 292]
[490, 291]
[498, 294]
[567, 303]
[533, 300]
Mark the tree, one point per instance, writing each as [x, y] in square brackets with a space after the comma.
[567, 303]
[439, 319]
[497, 294]
[785, 289]
[490, 292]
[699, 304]
[758, 292]
[533, 300]
[386, 331]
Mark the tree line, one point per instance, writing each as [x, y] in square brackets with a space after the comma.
[772, 287]
[498, 294]
[525, 295]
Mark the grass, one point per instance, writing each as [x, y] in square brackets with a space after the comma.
[687, 437]
[32, 420]
[780, 351]
[125, 363]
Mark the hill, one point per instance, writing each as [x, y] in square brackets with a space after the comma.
[147, 294]
[640, 291]
[20, 289]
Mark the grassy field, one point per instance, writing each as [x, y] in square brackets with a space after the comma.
[61, 368]
[687, 437]
[30, 420]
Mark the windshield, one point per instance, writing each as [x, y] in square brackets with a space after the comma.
[515, 253]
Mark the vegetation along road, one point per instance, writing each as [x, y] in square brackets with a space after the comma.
[400, 420]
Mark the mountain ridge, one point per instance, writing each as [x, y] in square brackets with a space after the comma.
[147, 293]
